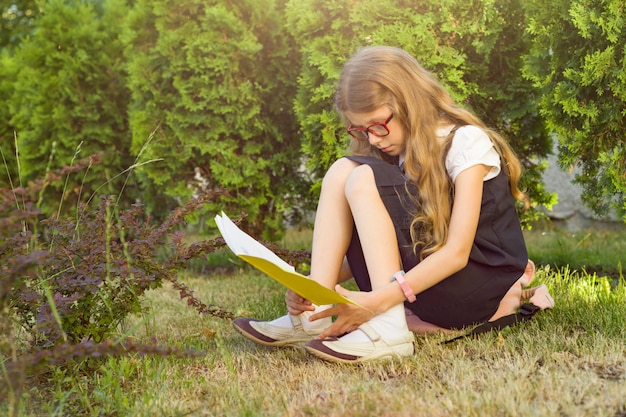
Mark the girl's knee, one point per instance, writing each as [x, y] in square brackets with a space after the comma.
[340, 170]
[361, 180]
[353, 178]
[343, 165]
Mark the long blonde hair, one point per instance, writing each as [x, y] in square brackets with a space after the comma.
[384, 76]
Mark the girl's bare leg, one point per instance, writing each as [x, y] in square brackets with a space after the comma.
[375, 227]
[529, 274]
[349, 196]
[381, 253]
[332, 231]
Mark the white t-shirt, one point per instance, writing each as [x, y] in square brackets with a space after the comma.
[471, 146]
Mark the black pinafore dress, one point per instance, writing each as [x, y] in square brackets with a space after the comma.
[497, 259]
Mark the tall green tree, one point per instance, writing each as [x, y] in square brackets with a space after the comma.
[504, 98]
[473, 47]
[577, 59]
[212, 84]
[68, 99]
[16, 22]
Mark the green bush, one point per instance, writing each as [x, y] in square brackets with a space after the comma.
[239, 94]
[66, 99]
[578, 59]
[215, 81]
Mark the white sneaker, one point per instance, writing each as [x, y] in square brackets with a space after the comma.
[336, 350]
[267, 334]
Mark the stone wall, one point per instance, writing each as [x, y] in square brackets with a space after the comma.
[570, 213]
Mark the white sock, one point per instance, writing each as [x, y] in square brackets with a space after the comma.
[320, 324]
[285, 321]
[389, 325]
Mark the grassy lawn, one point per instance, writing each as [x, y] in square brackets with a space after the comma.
[594, 251]
[567, 362]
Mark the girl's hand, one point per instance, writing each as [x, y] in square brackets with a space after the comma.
[349, 316]
[296, 304]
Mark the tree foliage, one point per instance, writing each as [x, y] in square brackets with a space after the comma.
[200, 94]
[16, 22]
[474, 48]
[577, 59]
[215, 81]
[67, 99]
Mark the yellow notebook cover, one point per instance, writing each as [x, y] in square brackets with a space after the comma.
[257, 255]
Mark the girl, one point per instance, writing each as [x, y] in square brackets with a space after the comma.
[429, 190]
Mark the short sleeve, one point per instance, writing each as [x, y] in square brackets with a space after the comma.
[471, 146]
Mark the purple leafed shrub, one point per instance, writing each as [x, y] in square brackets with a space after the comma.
[78, 278]
[68, 282]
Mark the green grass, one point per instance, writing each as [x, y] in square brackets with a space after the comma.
[567, 362]
[592, 250]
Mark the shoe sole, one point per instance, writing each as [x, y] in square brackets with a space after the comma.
[250, 333]
[316, 348]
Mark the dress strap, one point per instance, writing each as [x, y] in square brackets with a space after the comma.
[527, 311]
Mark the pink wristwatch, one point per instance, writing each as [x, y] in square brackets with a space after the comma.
[408, 292]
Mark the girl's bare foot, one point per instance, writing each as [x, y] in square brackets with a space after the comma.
[514, 297]
[539, 296]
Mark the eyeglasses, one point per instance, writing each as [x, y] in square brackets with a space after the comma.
[379, 129]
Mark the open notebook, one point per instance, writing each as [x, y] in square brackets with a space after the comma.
[257, 255]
